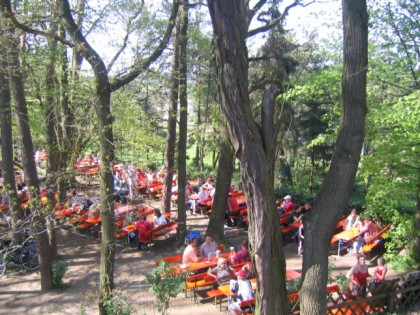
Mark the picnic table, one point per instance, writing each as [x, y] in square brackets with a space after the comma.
[205, 263]
[345, 236]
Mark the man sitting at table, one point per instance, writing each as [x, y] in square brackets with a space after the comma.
[191, 254]
[243, 289]
[368, 230]
[143, 226]
[242, 255]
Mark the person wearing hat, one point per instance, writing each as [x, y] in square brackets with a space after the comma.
[288, 204]
[243, 290]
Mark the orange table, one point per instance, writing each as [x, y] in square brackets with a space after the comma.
[346, 236]
[202, 264]
[94, 220]
[129, 228]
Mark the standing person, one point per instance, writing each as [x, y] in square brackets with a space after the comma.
[191, 254]
[243, 290]
[367, 232]
[221, 273]
[380, 271]
[242, 255]
[301, 238]
[358, 275]
[143, 226]
[208, 246]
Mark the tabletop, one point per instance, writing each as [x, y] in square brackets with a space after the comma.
[123, 209]
[348, 235]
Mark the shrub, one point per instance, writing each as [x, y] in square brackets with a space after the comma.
[118, 304]
[59, 270]
[166, 283]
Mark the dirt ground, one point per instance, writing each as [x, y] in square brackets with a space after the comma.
[20, 291]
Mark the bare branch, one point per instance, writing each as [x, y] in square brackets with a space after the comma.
[129, 30]
[270, 24]
[6, 4]
[120, 82]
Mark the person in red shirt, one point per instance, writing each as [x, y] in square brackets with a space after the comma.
[242, 255]
[288, 204]
[143, 226]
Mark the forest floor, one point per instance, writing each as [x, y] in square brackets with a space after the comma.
[20, 291]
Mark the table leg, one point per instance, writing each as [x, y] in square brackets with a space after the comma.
[339, 247]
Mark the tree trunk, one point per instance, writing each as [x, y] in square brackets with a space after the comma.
[172, 117]
[6, 130]
[183, 120]
[223, 180]
[102, 107]
[255, 147]
[38, 226]
[336, 190]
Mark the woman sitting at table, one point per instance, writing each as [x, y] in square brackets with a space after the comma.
[221, 273]
[158, 218]
[143, 226]
[243, 290]
[208, 247]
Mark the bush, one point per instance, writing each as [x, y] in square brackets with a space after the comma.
[118, 304]
[166, 284]
[59, 270]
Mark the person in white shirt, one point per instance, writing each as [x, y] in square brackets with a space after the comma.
[243, 289]
[190, 253]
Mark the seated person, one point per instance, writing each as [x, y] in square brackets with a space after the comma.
[208, 247]
[242, 255]
[352, 220]
[248, 269]
[142, 227]
[191, 254]
[295, 215]
[159, 219]
[288, 204]
[95, 209]
[243, 289]
[221, 273]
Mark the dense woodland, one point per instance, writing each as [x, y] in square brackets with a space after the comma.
[329, 119]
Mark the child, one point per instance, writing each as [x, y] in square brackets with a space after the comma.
[380, 271]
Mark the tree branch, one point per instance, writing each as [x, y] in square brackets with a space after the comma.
[7, 5]
[120, 82]
[270, 24]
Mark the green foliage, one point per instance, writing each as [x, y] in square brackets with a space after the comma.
[118, 304]
[59, 270]
[343, 283]
[294, 285]
[166, 283]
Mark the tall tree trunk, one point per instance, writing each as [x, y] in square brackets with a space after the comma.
[6, 129]
[172, 118]
[183, 120]
[223, 180]
[336, 190]
[102, 107]
[255, 146]
[28, 162]
[52, 140]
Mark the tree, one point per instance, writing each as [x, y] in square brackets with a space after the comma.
[38, 224]
[102, 106]
[183, 120]
[338, 183]
[6, 129]
[255, 147]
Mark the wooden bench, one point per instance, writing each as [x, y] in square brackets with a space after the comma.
[366, 249]
[216, 294]
[194, 282]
